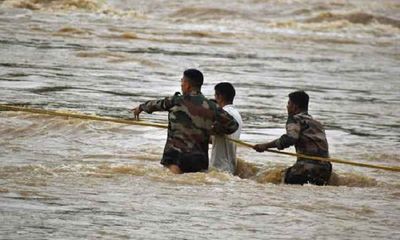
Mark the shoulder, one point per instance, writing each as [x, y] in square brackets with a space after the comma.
[307, 121]
[292, 119]
[229, 108]
[300, 117]
[210, 103]
[197, 102]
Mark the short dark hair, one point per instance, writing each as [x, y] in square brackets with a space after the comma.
[226, 90]
[300, 99]
[194, 76]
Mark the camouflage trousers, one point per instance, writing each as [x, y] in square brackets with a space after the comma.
[187, 162]
[312, 172]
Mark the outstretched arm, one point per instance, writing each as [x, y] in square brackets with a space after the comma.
[264, 146]
[286, 140]
[155, 105]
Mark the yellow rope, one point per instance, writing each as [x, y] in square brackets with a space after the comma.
[80, 116]
[335, 160]
[158, 125]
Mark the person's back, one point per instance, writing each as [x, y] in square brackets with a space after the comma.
[312, 139]
[223, 154]
[192, 118]
[191, 122]
[308, 137]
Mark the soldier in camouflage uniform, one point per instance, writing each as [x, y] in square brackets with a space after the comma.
[308, 137]
[192, 119]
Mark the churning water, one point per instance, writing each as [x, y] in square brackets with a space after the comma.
[73, 179]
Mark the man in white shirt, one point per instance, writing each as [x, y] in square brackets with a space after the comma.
[223, 154]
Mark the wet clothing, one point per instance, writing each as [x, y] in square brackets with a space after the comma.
[223, 154]
[308, 172]
[192, 119]
[308, 137]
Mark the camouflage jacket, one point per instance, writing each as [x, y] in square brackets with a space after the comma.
[192, 119]
[306, 134]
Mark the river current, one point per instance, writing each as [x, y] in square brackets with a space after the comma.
[65, 178]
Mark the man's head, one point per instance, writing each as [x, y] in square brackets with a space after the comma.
[191, 81]
[298, 102]
[224, 93]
